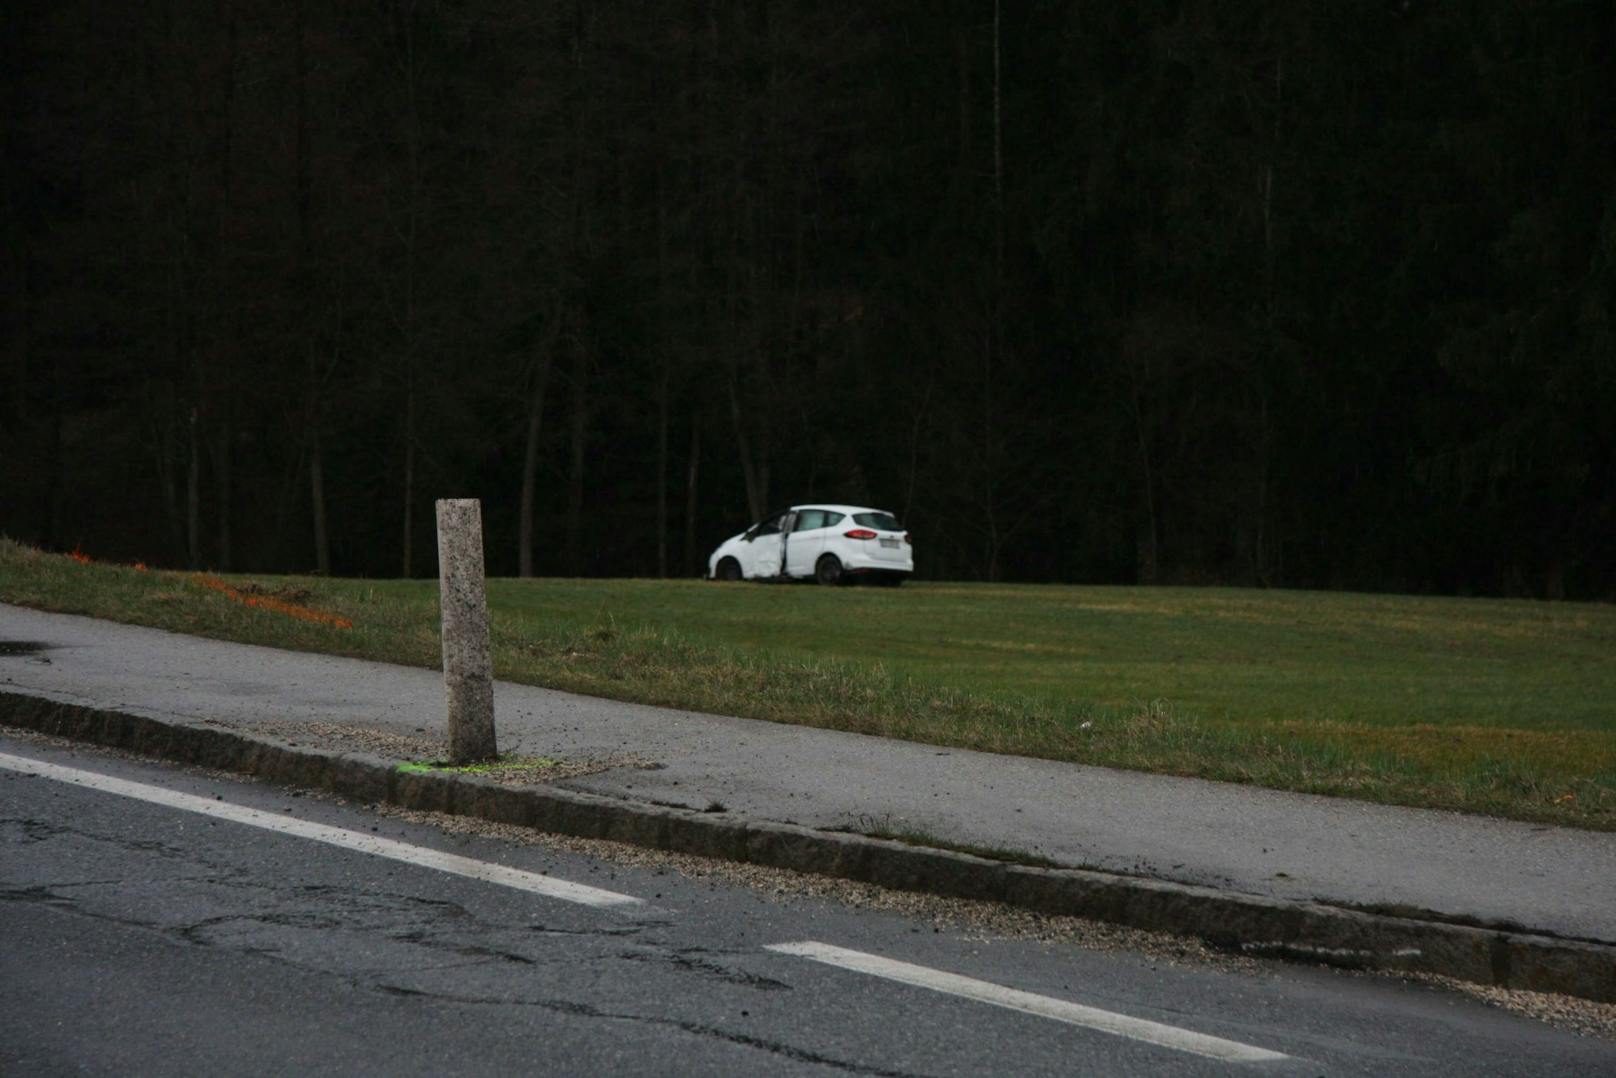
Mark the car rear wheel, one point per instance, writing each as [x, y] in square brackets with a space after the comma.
[828, 570]
[729, 569]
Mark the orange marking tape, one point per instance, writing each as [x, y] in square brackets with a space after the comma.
[269, 602]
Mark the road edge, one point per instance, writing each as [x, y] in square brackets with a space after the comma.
[1251, 924]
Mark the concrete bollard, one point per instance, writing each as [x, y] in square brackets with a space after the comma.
[468, 666]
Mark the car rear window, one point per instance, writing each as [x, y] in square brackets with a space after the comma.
[884, 521]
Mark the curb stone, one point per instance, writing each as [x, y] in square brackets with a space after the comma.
[1250, 924]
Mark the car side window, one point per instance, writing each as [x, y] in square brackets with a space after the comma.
[833, 519]
[768, 527]
[809, 519]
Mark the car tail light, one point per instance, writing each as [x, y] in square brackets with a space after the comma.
[909, 538]
[860, 533]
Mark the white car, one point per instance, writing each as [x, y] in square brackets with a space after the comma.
[832, 544]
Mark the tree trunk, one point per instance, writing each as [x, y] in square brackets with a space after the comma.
[530, 456]
[322, 545]
[21, 293]
[575, 472]
[226, 326]
[692, 474]
[193, 492]
[409, 328]
[664, 328]
[56, 482]
[303, 183]
[1147, 539]
[914, 448]
[662, 476]
[1262, 560]
[754, 490]
[163, 451]
[221, 467]
[992, 359]
[998, 157]
[407, 569]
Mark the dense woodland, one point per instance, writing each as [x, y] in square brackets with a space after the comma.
[1275, 292]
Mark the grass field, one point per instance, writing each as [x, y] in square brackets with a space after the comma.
[1494, 706]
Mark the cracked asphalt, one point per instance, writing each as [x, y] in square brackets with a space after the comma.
[140, 938]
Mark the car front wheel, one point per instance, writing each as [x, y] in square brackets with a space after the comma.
[728, 570]
[828, 570]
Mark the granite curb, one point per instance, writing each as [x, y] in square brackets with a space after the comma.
[1505, 956]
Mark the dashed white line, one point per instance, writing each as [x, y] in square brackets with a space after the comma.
[548, 886]
[1077, 1014]
[1061, 1010]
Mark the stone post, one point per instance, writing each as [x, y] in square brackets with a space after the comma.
[468, 667]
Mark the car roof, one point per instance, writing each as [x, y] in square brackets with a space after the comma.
[833, 507]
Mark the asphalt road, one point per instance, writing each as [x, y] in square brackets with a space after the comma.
[171, 922]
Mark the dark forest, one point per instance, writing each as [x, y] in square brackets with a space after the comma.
[1291, 293]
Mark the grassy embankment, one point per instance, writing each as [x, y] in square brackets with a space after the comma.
[1504, 707]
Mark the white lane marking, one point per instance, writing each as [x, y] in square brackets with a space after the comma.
[333, 836]
[1061, 1010]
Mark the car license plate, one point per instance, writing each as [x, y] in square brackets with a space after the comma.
[891, 544]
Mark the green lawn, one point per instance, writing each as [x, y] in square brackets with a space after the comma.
[1221, 653]
[1506, 707]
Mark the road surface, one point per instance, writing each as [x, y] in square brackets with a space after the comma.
[164, 921]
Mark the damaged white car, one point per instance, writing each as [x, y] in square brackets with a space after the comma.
[831, 544]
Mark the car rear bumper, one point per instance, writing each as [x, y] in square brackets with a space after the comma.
[864, 563]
